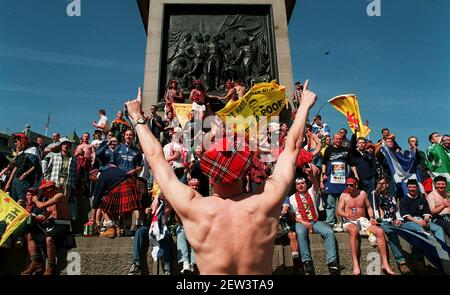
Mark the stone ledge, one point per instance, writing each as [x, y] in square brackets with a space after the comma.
[104, 256]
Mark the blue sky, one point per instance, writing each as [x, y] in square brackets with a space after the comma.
[398, 63]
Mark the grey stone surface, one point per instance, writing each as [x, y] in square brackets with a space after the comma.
[104, 256]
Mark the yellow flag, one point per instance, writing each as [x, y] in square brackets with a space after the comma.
[262, 100]
[11, 213]
[347, 104]
[182, 111]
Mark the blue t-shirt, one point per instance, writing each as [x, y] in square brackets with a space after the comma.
[127, 158]
[337, 162]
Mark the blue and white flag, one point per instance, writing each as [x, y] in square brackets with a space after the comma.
[435, 250]
[402, 168]
[157, 232]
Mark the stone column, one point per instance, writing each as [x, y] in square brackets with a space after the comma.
[152, 12]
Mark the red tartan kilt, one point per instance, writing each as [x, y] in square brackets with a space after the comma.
[125, 197]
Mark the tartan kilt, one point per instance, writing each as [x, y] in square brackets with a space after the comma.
[125, 197]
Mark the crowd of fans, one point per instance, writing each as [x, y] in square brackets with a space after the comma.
[342, 184]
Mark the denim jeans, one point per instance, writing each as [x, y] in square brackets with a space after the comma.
[184, 250]
[330, 208]
[141, 244]
[435, 229]
[394, 243]
[327, 234]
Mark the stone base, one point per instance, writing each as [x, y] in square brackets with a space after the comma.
[104, 256]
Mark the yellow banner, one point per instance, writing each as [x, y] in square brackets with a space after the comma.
[262, 100]
[182, 111]
[347, 104]
[11, 213]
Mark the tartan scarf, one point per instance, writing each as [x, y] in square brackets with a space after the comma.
[301, 207]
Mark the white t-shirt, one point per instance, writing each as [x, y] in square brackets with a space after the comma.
[96, 143]
[293, 208]
[103, 120]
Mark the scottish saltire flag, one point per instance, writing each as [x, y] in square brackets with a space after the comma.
[435, 250]
[157, 232]
[402, 168]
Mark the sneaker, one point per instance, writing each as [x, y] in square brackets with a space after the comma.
[134, 270]
[334, 268]
[404, 269]
[337, 228]
[19, 243]
[309, 267]
[186, 268]
[295, 255]
[109, 233]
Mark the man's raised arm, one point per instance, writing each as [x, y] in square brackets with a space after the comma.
[280, 181]
[178, 194]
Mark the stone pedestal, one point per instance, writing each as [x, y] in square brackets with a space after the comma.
[155, 15]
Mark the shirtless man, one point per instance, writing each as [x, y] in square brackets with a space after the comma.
[231, 93]
[440, 204]
[236, 231]
[85, 149]
[352, 206]
[52, 234]
[240, 89]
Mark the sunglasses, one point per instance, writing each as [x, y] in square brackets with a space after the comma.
[351, 185]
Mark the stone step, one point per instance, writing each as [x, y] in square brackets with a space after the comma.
[104, 256]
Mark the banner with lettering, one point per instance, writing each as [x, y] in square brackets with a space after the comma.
[347, 104]
[262, 100]
[11, 214]
[182, 111]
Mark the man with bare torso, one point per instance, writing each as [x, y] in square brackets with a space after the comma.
[352, 206]
[54, 226]
[235, 232]
[440, 204]
[85, 149]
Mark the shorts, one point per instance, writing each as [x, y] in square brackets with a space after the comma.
[361, 223]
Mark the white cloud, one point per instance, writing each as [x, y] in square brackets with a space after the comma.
[66, 59]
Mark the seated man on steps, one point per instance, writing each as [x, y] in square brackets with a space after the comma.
[352, 206]
[221, 243]
[302, 204]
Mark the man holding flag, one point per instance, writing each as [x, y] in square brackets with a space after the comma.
[347, 104]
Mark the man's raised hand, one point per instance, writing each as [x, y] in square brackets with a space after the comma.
[308, 97]
[134, 106]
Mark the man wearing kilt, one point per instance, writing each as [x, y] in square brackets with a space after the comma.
[128, 158]
[117, 195]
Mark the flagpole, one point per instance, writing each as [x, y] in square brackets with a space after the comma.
[321, 108]
[47, 124]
